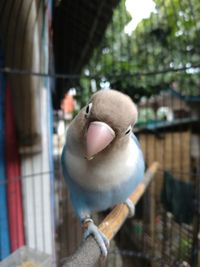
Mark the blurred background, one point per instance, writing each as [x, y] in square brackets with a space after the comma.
[53, 56]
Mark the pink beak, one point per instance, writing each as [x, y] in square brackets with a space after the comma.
[99, 136]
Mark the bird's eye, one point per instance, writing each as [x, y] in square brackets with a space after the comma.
[88, 109]
[128, 130]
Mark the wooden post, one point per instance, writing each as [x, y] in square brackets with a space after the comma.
[89, 252]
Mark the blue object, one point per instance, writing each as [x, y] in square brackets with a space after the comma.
[4, 229]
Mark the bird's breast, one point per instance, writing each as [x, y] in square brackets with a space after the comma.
[106, 173]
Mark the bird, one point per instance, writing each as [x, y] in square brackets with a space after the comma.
[102, 160]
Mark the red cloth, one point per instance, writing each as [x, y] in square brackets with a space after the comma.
[15, 206]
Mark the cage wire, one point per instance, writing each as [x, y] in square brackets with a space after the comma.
[158, 64]
[26, 220]
[149, 50]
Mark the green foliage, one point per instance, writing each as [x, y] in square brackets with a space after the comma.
[83, 92]
[185, 249]
[164, 49]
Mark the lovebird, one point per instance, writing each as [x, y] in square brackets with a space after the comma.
[102, 161]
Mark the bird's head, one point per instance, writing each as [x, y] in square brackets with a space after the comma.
[107, 119]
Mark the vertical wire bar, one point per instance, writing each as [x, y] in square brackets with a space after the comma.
[42, 86]
[2, 9]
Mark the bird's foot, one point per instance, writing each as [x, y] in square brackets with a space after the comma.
[101, 239]
[131, 207]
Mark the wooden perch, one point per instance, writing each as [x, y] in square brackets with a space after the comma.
[89, 252]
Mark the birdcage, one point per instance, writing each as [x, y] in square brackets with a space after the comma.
[53, 56]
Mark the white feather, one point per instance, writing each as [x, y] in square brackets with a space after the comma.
[108, 172]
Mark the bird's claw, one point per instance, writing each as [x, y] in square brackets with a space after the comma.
[131, 207]
[100, 238]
